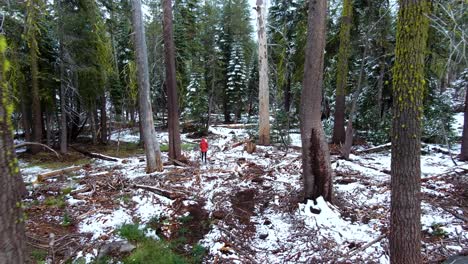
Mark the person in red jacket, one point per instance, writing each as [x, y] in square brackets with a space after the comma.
[203, 148]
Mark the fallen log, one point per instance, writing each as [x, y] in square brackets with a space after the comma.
[55, 173]
[95, 155]
[168, 194]
[180, 163]
[24, 144]
[377, 149]
[356, 250]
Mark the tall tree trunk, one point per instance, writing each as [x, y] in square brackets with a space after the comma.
[36, 100]
[464, 145]
[317, 173]
[26, 115]
[63, 113]
[103, 119]
[346, 149]
[342, 73]
[172, 101]
[408, 90]
[287, 93]
[153, 153]
[263, 91]
[380, 87]
[12, 238]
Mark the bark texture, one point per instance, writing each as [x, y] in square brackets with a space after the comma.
[464, 146]
[152, 150]
[12, 243]
[317, 173]
[264, 97]
[171, 83]
[342, 73]
[408, 90]
[33, 56]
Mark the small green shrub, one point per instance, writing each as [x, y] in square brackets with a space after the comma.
[38, 254]
[198, 253]
[67, 220]
[131, 232]
[438, 231]
[55, 202]
[151, 251]
[67, 190]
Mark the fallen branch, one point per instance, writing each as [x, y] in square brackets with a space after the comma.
[180, 163]
[54, 173]
[356, 250]
[380, 148]
[95, 155]
[168, 194]
[24, 144]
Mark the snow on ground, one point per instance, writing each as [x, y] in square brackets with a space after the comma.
[253, 203]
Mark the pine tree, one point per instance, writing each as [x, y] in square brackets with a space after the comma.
[408, 90]
[152, 150]
[11, 184]
[317, 173]
[264, 102]
[237, 80]
[171, 84]
[342, 73]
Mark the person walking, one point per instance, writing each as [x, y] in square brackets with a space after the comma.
[203, 148]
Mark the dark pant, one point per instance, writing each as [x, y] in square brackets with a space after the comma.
[203, 156]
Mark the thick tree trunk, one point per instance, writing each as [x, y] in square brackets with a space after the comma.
[12, 241]
[172, 102]
[408, 90]
[342, 73]
[264, 97]
[317, 171]
[153, 153]
[464, 146]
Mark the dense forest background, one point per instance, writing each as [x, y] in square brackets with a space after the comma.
[79, 56]
[379, 75]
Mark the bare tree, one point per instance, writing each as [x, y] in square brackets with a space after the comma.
[317, 171]
[12, 243]
[172, 102]
[264, 113]
[152, 150]
[408, 90]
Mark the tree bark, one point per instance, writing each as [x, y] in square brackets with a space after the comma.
[36, 100]
[317, 173]
[63, 113]
[103, 119]
[380, 87]
[153, 153]
[408, 90]
[346, 149]
[464, 145]
[12, 241]
[342, 73]
[172, 102]
[264, 102]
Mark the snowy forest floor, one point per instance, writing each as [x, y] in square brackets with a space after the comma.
[242, 208]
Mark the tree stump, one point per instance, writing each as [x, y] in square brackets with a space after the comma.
[250, 147]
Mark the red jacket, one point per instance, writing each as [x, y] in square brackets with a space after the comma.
[203, 145]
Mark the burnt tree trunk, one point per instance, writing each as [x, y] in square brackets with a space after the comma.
[408, 90]
[175, 151]
[12, 240]
[103, 116]
[317, 173]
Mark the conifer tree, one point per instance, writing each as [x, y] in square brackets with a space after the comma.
[408, 91]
